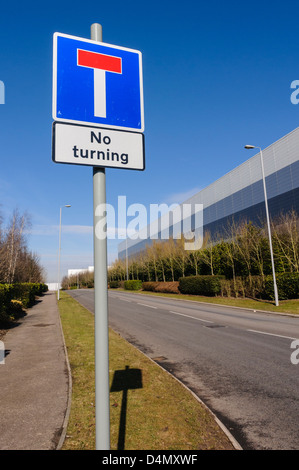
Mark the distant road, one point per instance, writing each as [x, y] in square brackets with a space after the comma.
[236, 361]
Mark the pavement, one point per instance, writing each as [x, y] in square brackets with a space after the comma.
[35, 381]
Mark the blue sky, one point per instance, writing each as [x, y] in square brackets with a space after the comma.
[216, 76]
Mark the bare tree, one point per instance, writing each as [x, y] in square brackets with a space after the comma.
[151, 253]
[230, 248]
[256, 241]
[12, 245]
[195, 256]
[286, 237]
[28, 268]
[181, 255]
[169, 256]
[207, 252]
[145, 259]
[159, 251]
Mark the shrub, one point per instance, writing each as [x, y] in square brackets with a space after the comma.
[35, 287]
[233, 287]
[28, 296]
[15, 309]
[133, 285]
[4, 301]
[226, 288]
[167, 287]
[6, 295]
[201, 285]
[26, 293]
[254, 286]
[149, 286]
[4, 319]
[287, 286]
[15, 297]
[114, 284]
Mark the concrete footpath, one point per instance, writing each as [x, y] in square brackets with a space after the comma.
[34, 381]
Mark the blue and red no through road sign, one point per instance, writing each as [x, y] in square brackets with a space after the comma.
[97, 83]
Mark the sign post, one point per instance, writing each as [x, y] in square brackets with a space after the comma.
[98, 121]
[101, 304]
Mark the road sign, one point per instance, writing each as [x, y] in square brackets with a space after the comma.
[94, 146]
[97, 83]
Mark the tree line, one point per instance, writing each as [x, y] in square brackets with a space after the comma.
[241, 250]
[17, 263]
[80, 280]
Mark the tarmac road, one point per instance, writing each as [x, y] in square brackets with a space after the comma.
[236, 360]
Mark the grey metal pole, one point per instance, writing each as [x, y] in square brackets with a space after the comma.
[59, 249]
[101, 304]
[59, 255]
[269, 230]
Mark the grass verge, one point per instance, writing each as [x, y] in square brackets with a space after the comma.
[285, 306]
[149, 409]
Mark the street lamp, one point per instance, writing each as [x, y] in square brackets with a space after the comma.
[127, 259]
[250, 147]
[67, 205]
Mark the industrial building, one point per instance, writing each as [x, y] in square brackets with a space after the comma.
[74, 272]
[239, 194]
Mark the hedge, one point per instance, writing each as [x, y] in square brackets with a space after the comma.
[114, 284]
[166, 287]
[287, 286]
[150, 286]
[133, 285]
[24, 294]
[201, 285]
[259, 287]
[254, 287]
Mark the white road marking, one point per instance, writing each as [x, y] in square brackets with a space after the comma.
[189, 316]
[145, 305]
[119, 298]
[270, 334]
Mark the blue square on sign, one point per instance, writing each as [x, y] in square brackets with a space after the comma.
[97, 83]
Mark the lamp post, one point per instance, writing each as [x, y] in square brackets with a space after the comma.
[250, 147]
[67, 205]
[127, 271]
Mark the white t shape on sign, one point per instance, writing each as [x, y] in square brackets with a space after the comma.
[101, 63]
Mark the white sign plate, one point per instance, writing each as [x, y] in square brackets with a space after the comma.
[97, 147]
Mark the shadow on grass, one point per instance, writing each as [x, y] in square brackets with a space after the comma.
[124, 380]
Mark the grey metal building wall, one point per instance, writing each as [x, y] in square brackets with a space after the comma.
[239, 194]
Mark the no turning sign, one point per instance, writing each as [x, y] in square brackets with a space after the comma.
[96, 83]
[97, 104]
[94, 146]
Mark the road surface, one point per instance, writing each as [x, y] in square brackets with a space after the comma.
[237, 361]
